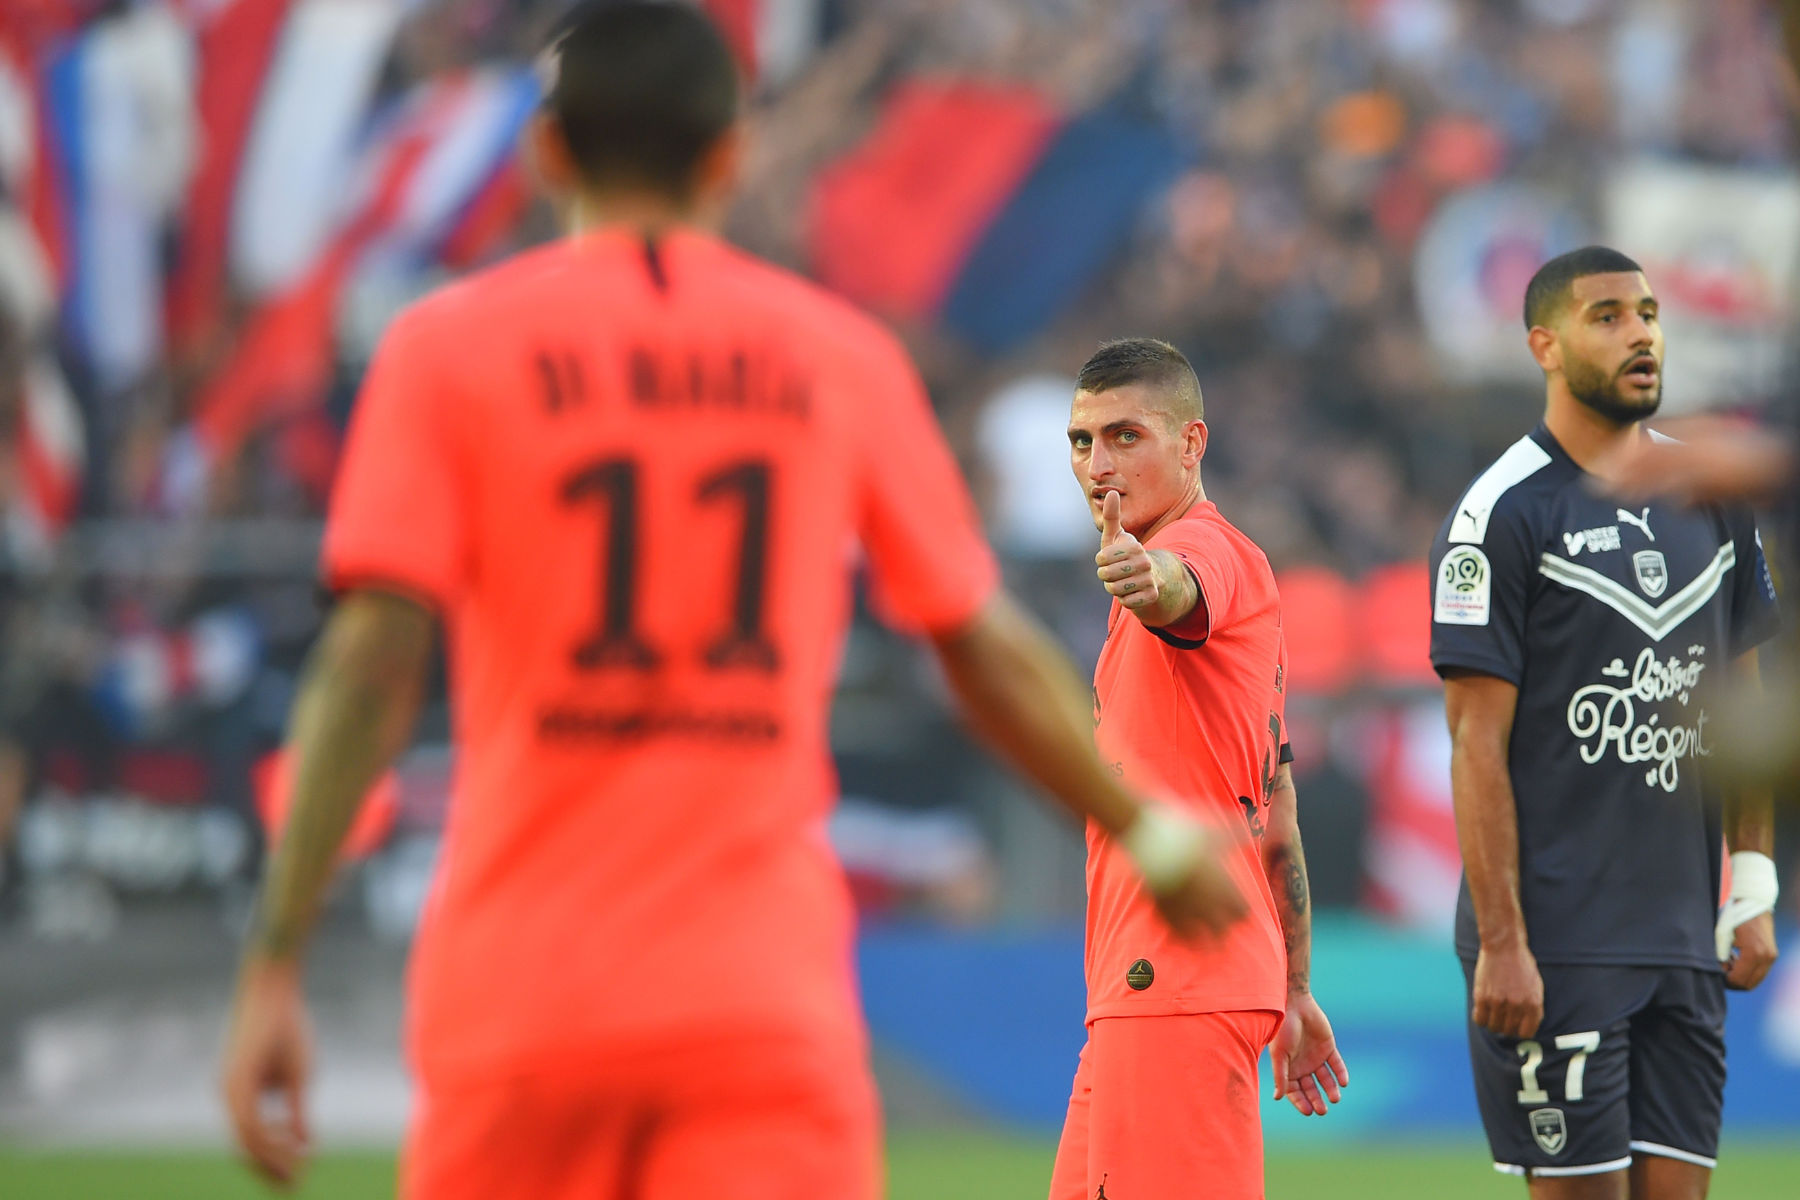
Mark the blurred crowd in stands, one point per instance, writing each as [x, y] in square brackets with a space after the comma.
[210, 208]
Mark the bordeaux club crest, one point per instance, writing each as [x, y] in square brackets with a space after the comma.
[1652, 572]
[1548, 1128]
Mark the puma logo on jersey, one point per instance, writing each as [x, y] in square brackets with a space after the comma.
[1606, 537]
[1642, 522]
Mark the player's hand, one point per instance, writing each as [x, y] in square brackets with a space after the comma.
[268, 1049]
[1180, 862]
[1207, 901]
[1756, 953]
[1509, 992]
[1308, 1069]
[1122, 564]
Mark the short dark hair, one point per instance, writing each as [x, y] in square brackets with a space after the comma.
[641, 90]
[1143, 360]
[1549, 288]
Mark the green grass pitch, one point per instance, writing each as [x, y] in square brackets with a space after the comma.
[921, 1167]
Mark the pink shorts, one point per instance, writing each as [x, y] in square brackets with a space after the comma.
[705, 1123]
[1166, 1107]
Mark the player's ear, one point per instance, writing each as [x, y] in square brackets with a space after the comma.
[716, 174]
[1193, 444]
[548, 156]
[1546, 348]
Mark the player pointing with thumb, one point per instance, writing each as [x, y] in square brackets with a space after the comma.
[1190, 705]
[1154, 586]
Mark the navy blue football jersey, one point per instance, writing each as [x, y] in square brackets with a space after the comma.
[1613, 621]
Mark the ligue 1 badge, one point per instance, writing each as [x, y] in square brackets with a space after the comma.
[1548, 1128]
[1464, 587]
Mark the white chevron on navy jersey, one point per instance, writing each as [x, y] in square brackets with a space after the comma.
[1657, 620]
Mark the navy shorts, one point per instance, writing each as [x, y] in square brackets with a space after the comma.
[1628, 1060]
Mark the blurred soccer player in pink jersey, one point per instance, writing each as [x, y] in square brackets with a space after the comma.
[625, 472]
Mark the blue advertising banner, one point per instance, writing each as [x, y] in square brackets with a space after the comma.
[994, 1017]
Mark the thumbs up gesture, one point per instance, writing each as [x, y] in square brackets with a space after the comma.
[1123, 565]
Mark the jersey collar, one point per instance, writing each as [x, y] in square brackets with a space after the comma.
[1547, 440]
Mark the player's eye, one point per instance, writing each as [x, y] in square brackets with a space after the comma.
[1127, 436]
[1607, 319]
[1081, 441]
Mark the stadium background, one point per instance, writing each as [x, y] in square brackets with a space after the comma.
[210, 208]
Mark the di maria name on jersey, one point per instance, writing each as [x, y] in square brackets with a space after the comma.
[1614, 622]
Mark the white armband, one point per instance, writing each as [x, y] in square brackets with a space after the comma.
[1753, 893]
[1164, 843]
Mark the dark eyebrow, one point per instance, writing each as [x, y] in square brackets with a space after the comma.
[1109, 427]
[1610, 302]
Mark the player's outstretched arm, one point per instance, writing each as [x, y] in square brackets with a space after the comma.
[1153, 585]
[1308, 1069]
[1789, 11]
[353, 714]
[1024, 698]
[1747, 922]
[1509, 992]
[1716, 461]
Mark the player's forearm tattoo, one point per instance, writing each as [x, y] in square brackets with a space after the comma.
[1286, 868]
[1180, 594]
[1293, 898]
[1297, 894]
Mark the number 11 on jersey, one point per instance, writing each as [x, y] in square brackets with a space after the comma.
[615, 640]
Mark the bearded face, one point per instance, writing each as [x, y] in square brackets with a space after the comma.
[1630, 391]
